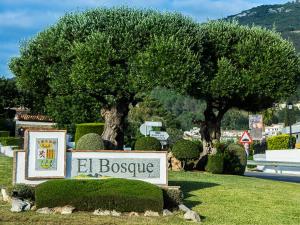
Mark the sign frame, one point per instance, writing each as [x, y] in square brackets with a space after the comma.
[30, 146]
[164, 153]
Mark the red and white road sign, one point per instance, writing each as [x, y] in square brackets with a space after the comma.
[246, 138]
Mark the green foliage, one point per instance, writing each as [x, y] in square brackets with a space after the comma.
[147, 110]
[269, 16]
[95, 54]
[282, 141]
[184, 107]
[235, 160]
[11, 141]
[215, 163]
[90, 141]
[22, 191]
[86, 128]
[108, 194]
[172, 197]
[4, 133]
[258, 147]
[174, 136]
[147, 144]
[186, 150]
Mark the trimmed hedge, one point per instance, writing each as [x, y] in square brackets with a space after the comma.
[280, 142]
[186, 150]
[11, 141]
[147, 144]
[22, 191]
[215, 163]
[4, 133]
[87, 128]
[108, 194]
[90, 141]
[235, 160]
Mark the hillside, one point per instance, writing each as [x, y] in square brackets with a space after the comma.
[285, 18]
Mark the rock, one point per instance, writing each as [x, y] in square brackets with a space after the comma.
[57, 210]
[45, 210]
[67, 210]
[176, 164]
[133, 214]
[183, 208]
[28, 205]
[17, 205]
[151, 213]
[33, 208]
[100, 212]
[167, 212]
[5, 196]
[192, 215]
[115, 213]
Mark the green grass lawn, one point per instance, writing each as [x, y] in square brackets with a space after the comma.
[219, 199]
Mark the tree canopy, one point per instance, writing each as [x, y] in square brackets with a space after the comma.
[94, 53]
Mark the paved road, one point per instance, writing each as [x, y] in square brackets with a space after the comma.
[270, 176]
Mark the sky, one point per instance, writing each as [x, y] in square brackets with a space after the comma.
[21, 19]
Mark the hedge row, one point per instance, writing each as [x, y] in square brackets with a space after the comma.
[11, 141]
[87, 128]
[281, 142]
[4, 133]
[109, 194]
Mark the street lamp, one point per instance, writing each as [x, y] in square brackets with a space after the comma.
[290, 107]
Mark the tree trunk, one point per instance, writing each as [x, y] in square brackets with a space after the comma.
[113, 134]
[210, 130]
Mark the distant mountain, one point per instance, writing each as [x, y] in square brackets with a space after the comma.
[284, 18]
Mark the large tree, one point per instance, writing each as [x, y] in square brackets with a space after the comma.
[94, 53]
[242, 67]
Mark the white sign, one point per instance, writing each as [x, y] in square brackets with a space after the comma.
[153, 124]
[147, 166]
[159, 135]
[145, 130]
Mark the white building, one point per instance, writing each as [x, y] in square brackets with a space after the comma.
[273, 130]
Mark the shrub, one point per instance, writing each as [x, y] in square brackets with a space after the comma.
[235, 160]
[87, 128]
[172, 197]
[108, 194]
[11, 141]
[22, 191]
[215, 163]
[4, 133]
[147, 144]
[186, 150]
[281, 142]
[258, 147]
[90, 141]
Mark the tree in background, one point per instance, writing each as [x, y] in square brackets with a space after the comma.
[94, 53]
[148, 110]
[241, 67]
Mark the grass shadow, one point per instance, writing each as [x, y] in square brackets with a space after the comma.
[189, 186]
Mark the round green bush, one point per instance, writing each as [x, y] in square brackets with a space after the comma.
[147, 144]
[235, 160]
[108, 194]
[215, 163]
[90, 141]
[186, 150]
[87, 128]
